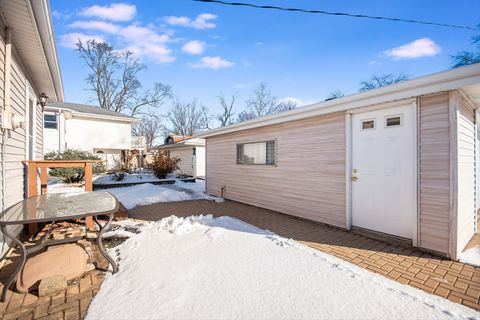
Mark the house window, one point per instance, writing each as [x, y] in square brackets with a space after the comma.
[394, 121]
[368, 124]
[50, 121]
[256, 153]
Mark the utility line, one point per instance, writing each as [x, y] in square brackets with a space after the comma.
[352, 15]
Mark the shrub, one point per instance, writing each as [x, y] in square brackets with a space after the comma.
[73, 175]
[164, 164]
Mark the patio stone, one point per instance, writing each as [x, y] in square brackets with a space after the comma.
[52, 285]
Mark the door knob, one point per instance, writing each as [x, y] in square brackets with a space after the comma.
[354, 178]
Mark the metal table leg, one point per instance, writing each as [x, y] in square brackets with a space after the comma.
[100, 242]
[23, 258]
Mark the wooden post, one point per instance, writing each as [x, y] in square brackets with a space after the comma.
[32, 179]
[88, 188]
[43, 180]
[32, 190]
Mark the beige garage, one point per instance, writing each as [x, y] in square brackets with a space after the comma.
[398, 161]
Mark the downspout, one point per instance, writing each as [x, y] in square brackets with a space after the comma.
[6, 107]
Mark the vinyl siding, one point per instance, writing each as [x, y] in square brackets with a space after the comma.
[186, 163]
[308, 180]
[16, 140]
[466, 172]
[434, 173]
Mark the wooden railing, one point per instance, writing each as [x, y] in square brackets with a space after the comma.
[43, 165]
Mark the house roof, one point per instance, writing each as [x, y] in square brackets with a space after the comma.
[194, 142]
[177, 138]
[85, 109]
[465, 78]
[34, 41]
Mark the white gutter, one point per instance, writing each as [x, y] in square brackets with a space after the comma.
[43, 20]
[438, 82]
[6, 107]
[93, 115]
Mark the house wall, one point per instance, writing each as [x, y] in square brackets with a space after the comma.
[466, 170]
[308, 180]
[434, 134]
[53, 139]
[200, 162]
[186, 163]
[88, 134]
[16, 146]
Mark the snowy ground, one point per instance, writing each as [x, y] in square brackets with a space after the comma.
[206, 268]
[471, 256]
[129, 178]
[144, 194]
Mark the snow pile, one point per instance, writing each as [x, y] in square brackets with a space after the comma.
[144, 194]
[198, 188]
[471, 256]
[147, 193]
[58, 186]
[205, 268]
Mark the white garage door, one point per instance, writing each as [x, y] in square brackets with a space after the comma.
[383, 171]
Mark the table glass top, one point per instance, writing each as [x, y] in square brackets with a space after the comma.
[57, 206]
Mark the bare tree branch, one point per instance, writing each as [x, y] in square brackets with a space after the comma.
[113, 79]
[382, 81]
[227, 114]
[186, 118]
[150, 127]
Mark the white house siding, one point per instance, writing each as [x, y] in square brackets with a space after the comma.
[186, 156]
[16, 140]
[200, 161]
[309, 179]
[466, 171]
[434, 136]
[88, 134]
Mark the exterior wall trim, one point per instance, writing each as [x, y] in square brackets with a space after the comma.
[348, 170]
[452, 107]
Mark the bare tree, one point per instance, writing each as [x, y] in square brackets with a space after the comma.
[227, 114]
[285, 105]
[186, 118]
[464, 57]
[334, 95]
[245, 116]
[113, 79]
[207, 118]
[382, 81]
[261, 102]
[150, 127]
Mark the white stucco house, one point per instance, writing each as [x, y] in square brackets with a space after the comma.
[105, 133]
[191, 152]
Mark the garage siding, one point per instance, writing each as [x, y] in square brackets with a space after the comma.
[434, 173]
[308, 180]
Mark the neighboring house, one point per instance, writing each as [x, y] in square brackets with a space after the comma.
[398, 161]
[105, 133]
[190, 151]
[28, 67]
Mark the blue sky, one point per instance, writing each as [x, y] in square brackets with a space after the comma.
[201, 49]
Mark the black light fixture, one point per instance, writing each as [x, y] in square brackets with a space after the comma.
[43, 100]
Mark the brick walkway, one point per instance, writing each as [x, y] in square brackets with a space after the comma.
[452, 280]
[71, 304]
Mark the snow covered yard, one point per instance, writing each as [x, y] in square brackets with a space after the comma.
[148, 193]
[129, 178]
[471, 256]
[222, 268]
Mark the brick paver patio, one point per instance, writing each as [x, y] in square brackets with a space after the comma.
[455, 281]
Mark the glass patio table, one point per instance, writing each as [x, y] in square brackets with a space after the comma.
[57, 207]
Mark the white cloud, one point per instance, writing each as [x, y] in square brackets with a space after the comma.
[213, 63]
[143, 41]
[202, 21]
[194, 47]
[68, 40]
[423, 47]
[96, 25]
[114, 12]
